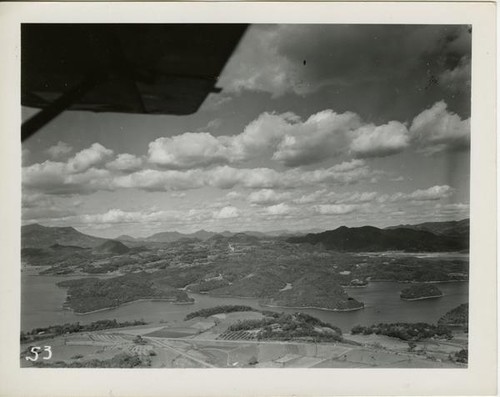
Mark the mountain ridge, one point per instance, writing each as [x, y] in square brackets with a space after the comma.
[370, 238]
[37, 236]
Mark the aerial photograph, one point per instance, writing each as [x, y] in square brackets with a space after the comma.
[245, 195]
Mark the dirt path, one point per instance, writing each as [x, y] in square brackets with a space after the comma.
[159, 342]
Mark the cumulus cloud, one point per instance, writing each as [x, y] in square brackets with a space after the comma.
[293, 142]
[329, 197]
[90, 157]
[125, 162]
[189, 150]
[323, 135]
[234, 195]
[267, 196]
[59, 150]
[119, 216]
[310, 197]
[226, 177]
[454, 209]
[433, 193]
[279, 209]
[262, 135]
[114, 216]
[335, 209]
[380, 141]
[58, 178]
[226, 213]
[356, 197]
[81, 174]
[284, 138]
[436, 129]
[178, 194]
[155, 180]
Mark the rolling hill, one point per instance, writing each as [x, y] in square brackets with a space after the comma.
[369, 238]
[203, 235]
[457, 229]
[111, 247]
[38, 236]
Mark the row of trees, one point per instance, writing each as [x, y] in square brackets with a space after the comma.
[405, 331]
[70, 328]
[289, 327]
[218, 310]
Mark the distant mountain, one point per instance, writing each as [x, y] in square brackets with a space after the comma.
[237, 238]
[200, 234]
[170, 237]
[126, 237]
[203, 235]
[458, 229]
[111, 247]
[38, 236]
[369, 238]
[165, 237]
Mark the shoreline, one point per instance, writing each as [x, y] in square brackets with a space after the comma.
[288, 307]
[422, 298]
[418, 282]
[130, 302]
[315, 308]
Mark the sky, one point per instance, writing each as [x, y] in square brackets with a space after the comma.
[316, 127]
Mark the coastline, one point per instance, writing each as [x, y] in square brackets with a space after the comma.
[422, 298]
[418, 282]
[316, 308]
[130, 302]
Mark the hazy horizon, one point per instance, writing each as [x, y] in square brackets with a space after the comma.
[313, 230]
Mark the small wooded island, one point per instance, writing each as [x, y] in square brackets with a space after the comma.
[421, 291]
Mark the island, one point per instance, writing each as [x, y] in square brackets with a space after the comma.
[92, 294]
[315, 291]
[421, 291]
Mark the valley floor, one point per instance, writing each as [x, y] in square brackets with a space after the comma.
[205, 343]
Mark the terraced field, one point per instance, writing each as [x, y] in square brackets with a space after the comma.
[207, 343]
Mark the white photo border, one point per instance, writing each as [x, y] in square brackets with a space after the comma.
[480, 376]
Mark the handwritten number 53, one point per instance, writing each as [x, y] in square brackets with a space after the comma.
[38, 351]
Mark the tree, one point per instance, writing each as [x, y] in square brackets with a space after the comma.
[138, 340]
[411, 346]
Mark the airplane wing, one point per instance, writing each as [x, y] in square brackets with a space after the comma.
[124, 68]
